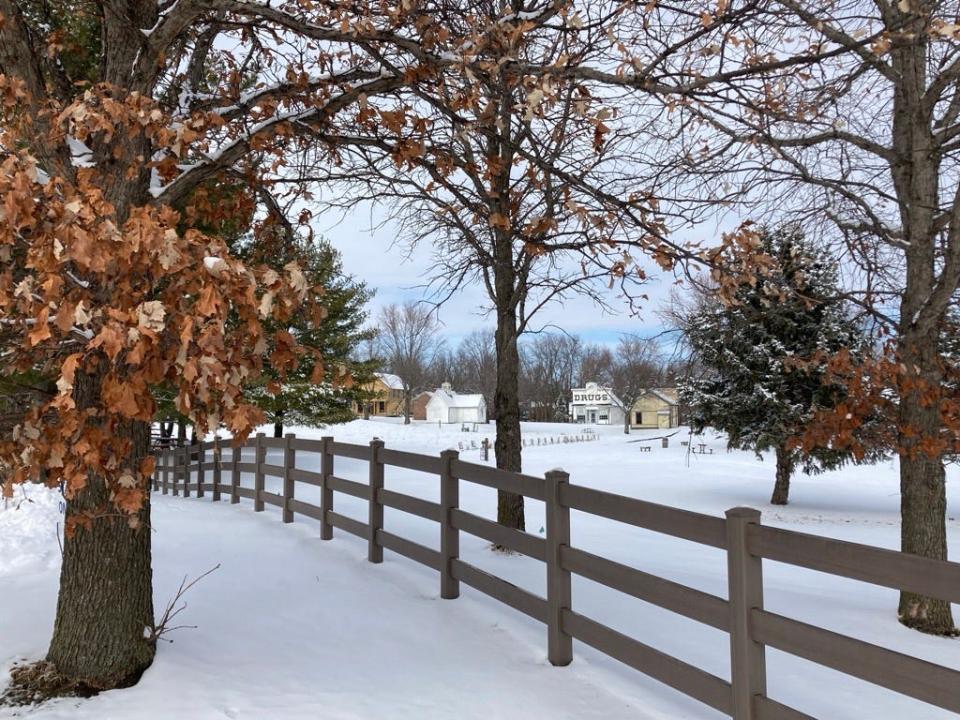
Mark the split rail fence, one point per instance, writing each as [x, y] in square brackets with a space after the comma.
[203, 468]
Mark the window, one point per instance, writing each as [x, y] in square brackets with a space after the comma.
[604, 416]
[383, 406]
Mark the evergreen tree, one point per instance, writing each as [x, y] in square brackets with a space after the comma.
[761, 355]
[297, 397]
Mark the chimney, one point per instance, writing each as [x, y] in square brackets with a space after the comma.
[447, 387]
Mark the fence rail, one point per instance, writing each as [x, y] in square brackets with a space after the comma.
[746, 541]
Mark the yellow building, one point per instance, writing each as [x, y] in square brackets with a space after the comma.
[656, 408]
[387, 400]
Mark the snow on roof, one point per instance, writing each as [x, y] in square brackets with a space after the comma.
[391, 381]
[668, 395]
[454, 399]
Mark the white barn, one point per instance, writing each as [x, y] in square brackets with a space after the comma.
[447, 406]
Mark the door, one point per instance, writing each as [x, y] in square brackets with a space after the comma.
[593, 417]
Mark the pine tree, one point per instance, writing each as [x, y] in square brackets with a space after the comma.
[297, 398]
[763, 378]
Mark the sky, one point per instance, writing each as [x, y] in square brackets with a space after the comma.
[371, 253]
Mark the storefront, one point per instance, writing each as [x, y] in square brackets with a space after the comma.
[595, 405]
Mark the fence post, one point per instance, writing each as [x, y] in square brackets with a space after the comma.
[175, 469]
[186, 471]
[559, 643]
[261, 457]
[165, 457]
[201, 474]
[237, 455]
[449, 535]
[326, 494]
[156, 471]
[748, 666]
[217, 467]
[289, 462]
[374, 549]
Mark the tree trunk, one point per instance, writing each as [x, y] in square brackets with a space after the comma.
[916, 172]
[781, 490]
[103, 632]
[181, 433]
[506, 410]
[101, 636]
[923, 500]
[407, 402]
[278, 428]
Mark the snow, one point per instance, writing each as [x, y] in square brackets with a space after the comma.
[81, 155]
[391, 381]
[458, 400]
[294, 627]
[29, 527]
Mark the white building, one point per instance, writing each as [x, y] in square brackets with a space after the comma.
[596, 405]
[447, 406]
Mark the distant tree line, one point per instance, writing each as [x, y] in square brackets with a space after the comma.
[409, 343]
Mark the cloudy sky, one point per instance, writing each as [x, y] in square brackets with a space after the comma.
[370, 252]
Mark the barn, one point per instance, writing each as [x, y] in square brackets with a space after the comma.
[447, 406]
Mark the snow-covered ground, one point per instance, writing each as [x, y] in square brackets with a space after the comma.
[293, 627]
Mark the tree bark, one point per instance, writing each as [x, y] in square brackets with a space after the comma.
[781, 489]
[916, 170]
[923, 499]
[506, 409]
[104, 621]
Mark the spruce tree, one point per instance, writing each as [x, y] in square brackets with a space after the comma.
[297, 397]
[762, 377]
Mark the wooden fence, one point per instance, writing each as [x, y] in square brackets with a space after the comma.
[204, 468]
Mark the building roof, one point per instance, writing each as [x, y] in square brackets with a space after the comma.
[597, 387]
[668, 395]
[391, 381]
[454, 399]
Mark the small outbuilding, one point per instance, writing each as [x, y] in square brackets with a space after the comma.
[418, 406]
[446, 406]
[656, 408]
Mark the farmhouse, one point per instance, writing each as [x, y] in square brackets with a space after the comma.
[656, 408]
[447, 406]
[387, 396]
[596, 405]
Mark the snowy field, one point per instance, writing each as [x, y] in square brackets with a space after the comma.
[293, 627]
